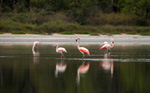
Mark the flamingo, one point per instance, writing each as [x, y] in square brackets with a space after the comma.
[107, 46]
[83, 69]
[61, 50]
[83, 50]
[35, 52]
[35, 44]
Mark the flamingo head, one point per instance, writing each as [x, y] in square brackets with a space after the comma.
[112, 40]
[37, 43]
[77, 39]
[55, 45]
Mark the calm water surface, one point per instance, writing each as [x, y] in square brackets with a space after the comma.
[125, 70]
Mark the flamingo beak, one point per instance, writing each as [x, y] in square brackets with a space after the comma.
[40, 43]
[100, 49]
[76, 40]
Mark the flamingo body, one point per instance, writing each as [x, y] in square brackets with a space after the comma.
[61, 50]
[84, 50]
[107, 46]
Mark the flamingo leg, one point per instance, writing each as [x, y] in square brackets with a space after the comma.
[108, 50]
[83, 56]
[62, 55]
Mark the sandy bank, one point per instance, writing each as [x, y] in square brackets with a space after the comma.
[70, 39]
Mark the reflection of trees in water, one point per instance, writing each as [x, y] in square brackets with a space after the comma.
[1, 77]
[15, 78]
[26, 86]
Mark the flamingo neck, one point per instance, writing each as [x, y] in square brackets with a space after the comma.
[33, 47]
[56, 47]
[112, 44]
[78, 44]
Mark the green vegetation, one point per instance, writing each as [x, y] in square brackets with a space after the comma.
[75, 16]
[145, 34]
[18, 32]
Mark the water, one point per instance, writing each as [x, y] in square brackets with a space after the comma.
[125, 70]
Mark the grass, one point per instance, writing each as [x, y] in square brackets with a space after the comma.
[131, 33]
[18, 32]
[145, 34]
[67, 33]
[94, 34]
[1, 32]
[61, 23]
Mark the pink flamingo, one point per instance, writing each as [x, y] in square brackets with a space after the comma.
[108, 46]
[83, 50]
[35, 44]
[61, 50]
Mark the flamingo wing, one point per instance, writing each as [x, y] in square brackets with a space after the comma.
[61, 49]
[106, 46]
[84, 50]
[103, 47]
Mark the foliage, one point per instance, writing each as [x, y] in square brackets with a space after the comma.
[81, 9]
[75, 16]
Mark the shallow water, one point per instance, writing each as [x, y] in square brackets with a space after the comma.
[125, 70]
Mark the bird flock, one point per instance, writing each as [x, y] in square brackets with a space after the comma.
[83, 50]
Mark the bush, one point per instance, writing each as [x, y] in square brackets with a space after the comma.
[57, 26]
[18, 32]
[9, 26]
[111, 19]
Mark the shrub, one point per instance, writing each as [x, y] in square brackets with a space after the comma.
[67, 32]
[111, 19]
[8, 26]
[57, 26]
[145, 34]
[18, 32]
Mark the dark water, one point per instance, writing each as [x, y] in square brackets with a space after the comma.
[125, 70]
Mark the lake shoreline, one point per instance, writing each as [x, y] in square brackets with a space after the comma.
[123, 39]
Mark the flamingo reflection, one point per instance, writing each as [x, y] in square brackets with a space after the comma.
[36, 56]
[107, 63]
[83, 69]
[60, 67]
[35, 51]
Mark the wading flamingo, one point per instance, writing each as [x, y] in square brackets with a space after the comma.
[61, 50]
[107, 46]
[83, 50]
[35, 51]
[35, 45]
